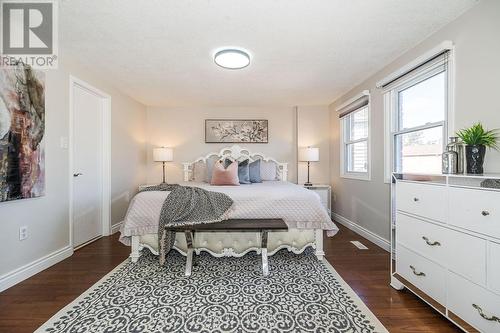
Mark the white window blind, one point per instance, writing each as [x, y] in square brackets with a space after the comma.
[355, 132]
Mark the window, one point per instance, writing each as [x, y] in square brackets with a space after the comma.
[416, 111]
[418, 137]
[355, 132]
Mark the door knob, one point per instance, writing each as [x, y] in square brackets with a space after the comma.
[77, 174]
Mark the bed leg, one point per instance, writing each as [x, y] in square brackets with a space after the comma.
[135, 254]
[319, 244]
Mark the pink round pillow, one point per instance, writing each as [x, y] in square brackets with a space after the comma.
[225, 176]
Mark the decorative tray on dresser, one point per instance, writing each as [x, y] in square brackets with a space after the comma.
[445, 243]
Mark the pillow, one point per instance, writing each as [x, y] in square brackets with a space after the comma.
[227, 161]
[200, 172]
[223, 176]
[254, 170]
[244, 172]
[210, 166]
[268, 171]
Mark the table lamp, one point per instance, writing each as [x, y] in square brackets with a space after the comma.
[308, 154]
[163, 154]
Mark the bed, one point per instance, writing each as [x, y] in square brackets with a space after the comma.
[299, 207]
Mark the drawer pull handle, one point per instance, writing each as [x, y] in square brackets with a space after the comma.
[416, 199]
[430, 243]
[417, 273]
[485, 213]
[481, 313]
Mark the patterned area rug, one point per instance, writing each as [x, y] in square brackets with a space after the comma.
[301, 294]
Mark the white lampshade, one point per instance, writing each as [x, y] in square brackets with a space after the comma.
[309, 154]
[163, 154]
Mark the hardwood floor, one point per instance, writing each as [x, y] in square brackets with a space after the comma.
[367, 272]
[26, 306]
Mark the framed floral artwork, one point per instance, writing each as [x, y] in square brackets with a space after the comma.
[236, 131]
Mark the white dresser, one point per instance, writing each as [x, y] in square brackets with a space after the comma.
[446, 246]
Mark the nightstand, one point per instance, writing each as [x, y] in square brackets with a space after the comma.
[142, 186]
[325, 194]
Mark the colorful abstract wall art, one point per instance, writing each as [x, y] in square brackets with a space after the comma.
[22, 130]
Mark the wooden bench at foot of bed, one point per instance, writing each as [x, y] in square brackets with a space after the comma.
[263, 226]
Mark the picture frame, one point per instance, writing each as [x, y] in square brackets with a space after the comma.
[236, 131]
[22, 133]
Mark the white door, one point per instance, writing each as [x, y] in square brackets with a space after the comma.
[88, 109]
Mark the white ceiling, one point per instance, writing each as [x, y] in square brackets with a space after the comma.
[304, 52]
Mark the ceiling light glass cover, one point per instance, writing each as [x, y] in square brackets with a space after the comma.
[232, 58]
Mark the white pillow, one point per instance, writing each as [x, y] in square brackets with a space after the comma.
[268, 170]
[199, 172]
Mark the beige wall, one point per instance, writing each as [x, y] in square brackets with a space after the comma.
[314, 130]
[183, 129]
[47, 217]
[477, 49]
[128, 153]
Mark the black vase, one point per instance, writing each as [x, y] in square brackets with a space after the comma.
[474, 154]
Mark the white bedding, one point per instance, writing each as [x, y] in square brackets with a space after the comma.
[299, 207]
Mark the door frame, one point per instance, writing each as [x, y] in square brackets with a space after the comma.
[105, 157]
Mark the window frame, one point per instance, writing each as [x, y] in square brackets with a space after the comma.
[392, 108]
[344, 143]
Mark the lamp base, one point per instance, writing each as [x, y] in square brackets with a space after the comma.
[308, 184]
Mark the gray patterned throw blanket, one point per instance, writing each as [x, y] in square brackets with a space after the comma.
[186, 205]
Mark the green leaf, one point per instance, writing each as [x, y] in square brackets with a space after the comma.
[477, 135]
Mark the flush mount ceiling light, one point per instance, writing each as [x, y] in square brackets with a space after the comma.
[232, 58]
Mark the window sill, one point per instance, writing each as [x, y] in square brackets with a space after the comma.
[357, 176]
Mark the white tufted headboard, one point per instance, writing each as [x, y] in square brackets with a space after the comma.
[240, 154]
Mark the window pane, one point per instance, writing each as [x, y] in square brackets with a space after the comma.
[357, 157]
[358, 124]
[423, 103]
[420, 151]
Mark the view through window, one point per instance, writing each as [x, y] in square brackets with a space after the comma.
[356, 128]
[420, 127]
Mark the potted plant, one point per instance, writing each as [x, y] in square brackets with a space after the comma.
[476, 139]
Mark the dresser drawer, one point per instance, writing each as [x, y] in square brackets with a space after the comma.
[422, 199]
[422, 237]
[468, 300]
[422, 273]
[494, 267]
[466, 255]
[475, 210]
[460, 252]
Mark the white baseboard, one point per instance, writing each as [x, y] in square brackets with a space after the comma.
[372, 237]
[34, 267]
[116, 227]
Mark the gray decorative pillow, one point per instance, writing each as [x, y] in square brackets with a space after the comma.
[254, 171]
[244, 172]
[210, 167]
[199, 172]
[268, 171]
[227, 162]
